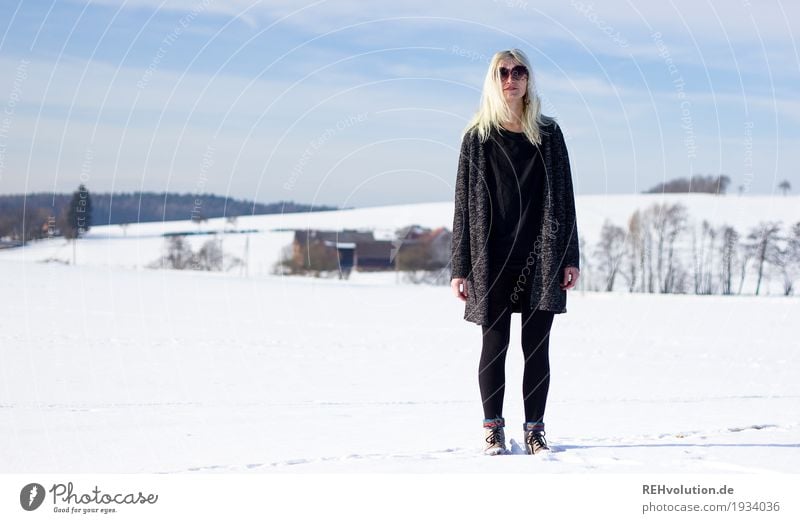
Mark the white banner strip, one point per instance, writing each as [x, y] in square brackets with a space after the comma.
[398, 497]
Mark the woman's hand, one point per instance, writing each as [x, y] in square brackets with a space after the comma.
[571, 275]
[456, 284]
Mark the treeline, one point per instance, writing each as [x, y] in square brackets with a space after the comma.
[697, 183]
[705, 184]
[39, 215]
[659, 251]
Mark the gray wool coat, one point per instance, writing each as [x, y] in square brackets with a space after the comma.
[555, 247]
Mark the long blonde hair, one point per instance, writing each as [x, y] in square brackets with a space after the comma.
[494, 110]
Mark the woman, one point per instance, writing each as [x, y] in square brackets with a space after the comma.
[515, 240]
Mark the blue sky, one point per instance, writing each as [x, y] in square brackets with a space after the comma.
[352, 103]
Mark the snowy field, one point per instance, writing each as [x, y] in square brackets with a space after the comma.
[113, 369]
[109, 367]
[141, 244]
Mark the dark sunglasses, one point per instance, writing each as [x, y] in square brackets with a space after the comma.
[517, 73]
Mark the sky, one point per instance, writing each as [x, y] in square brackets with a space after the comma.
[356, 104]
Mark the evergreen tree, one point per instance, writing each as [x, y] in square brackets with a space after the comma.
[79, 213]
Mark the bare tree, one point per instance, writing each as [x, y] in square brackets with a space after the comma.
[635, 250]
[761, 239]
[585, 281]
[644, 235]
[209, 257]
[785, 187]
[793, 245]
[784, 255]
[747, 254]
[609, 252]
[648, 273]
[667, 221]
[730, 239]
[675, 224]
[178, 253]
[703, 258]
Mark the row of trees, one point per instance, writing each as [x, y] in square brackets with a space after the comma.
[22, 222]
[697, 183]
[658, 252]
[178, 254]
[705, 184]
[34, 216]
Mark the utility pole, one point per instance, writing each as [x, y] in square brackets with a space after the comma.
[246, 255]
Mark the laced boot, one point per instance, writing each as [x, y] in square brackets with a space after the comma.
[534, 438]
[495, 437]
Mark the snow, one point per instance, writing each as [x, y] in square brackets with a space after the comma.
[108, 367]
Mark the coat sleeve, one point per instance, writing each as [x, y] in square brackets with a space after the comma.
[572, 254]
[461, 257]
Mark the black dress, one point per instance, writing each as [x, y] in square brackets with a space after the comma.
[515, 182]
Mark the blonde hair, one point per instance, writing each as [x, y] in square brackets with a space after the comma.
[494, 110]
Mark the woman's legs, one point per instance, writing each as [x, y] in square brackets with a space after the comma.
[492, 369]
[535, 348]
[536, 376]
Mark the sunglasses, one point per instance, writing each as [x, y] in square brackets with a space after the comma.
[518, 72]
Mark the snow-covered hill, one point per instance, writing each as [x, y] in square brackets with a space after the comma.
[106, 368]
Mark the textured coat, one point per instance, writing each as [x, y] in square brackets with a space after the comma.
[555, 247]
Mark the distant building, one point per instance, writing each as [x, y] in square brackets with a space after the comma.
[375, 255]
[342, 250]
[353, 249]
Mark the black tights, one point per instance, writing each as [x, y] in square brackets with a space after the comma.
[535, 347]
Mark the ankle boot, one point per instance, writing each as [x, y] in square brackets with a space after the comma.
[494, 435]
[534, 438]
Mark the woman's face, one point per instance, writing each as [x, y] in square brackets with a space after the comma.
[514, 89]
